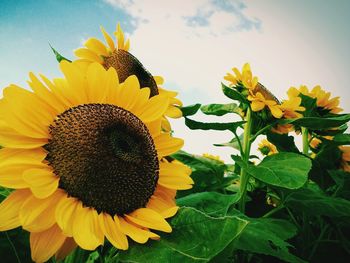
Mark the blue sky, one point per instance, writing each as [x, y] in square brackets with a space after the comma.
[191, 43]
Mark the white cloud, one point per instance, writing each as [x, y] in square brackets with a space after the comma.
[194, 56]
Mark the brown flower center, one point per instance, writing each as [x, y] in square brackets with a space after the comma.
[126, 65]
[104, 156]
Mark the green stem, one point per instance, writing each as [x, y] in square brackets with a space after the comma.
[305, 134]
[246, 153]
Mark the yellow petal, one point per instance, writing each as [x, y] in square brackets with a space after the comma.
[19, 110]
[45, 244]
[9, 209]
[85, 233]
[43, 182]
[64, 214]
[154, 108]
[76, 80]
[166, 209]
[136, 233]
[17, 157]
[154, 127]
[12, 139]
[128, 93]
[96, 46]
[257, 105]
[159, 80]
[149, 218]
[44, 94]
[68, 246]
[276, 111]
[173, 112]
[175, 176]
[166, 145]
[88, 54]
[37, 215]
[108, 39]
[111, 229]
[166, 125]
[96, 90]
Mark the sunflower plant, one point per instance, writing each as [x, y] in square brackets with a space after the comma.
[90, 170]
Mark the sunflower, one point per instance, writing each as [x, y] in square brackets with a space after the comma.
[117, 55]
[322, 97]
[267, 148]
[244, 77]
[85, 157]
[291, 108]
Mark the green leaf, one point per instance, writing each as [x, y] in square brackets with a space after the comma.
[233, 94]
[196, 237]
[233, 143]
[287, 170]
[219, 109]
[59, 57]
[207, 174]
[190, 110]
[316, 203]
[267, 236]
[196, 125]
[283, 142]
[320, 123]
[211, 203]
[342, 139]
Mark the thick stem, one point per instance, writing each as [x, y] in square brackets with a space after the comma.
[246, 153]
[305, 134]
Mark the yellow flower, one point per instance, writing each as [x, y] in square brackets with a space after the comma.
[291, 108]
[315, 142]
[245, 77]
[267, 148]
[117, 55]
[259, 103]
[85, 156]
[345, 163]
[213, 157]
[322, 97]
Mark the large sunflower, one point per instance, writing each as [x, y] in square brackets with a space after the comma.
[85, 157]
[116, 55]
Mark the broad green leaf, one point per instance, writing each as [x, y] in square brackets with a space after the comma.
[320, 123]
[219, 109]
[211, 203]
[233, 94]
[287, 170]
[4, 192]
[267, 236]
[80, 255]
[196, 237]
[59, 57]
[283, 142]
[316, 203]
[190, 109]
[310, 105]
[196, 125]
[332, 132]
[208, 174]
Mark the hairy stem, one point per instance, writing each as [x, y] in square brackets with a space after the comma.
[246, 153]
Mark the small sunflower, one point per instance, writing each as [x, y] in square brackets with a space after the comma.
[267, 148]
[283, 128]
[322, 97]
[85, 157]
[117, 56]
[244, 77]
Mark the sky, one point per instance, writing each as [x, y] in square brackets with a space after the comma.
[192, 44]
